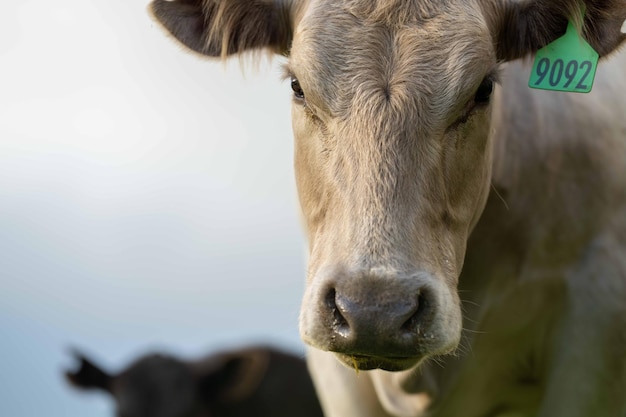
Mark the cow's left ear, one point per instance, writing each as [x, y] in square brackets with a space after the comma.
[233, 376]
[520, 28]
[219, 28]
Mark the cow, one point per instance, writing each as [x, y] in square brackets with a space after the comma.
[252, 381]
[467, 235]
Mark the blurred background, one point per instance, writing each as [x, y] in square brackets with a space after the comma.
[147, 201]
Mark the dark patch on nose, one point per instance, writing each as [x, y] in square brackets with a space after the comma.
[379, 320]
[339, 322]
[413, 323]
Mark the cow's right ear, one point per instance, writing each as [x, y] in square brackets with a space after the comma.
[220, 28]
[88, 375]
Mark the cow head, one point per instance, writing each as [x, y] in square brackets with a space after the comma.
[155, 386]
[162, 386]
[391, 118]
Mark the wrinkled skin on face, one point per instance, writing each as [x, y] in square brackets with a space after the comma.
[392, 165]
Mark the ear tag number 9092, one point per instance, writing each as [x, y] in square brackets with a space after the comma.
[567, 64]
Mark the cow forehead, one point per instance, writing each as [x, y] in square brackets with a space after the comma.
[431, 59]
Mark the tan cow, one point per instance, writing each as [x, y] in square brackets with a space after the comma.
[467, 234]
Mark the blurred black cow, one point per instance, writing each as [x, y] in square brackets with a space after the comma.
[256, 381]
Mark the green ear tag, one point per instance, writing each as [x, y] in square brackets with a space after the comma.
[567, 64]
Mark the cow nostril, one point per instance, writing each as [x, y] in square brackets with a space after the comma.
[412, 325]
[339, 323]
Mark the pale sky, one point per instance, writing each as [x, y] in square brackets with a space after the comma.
[147, 200]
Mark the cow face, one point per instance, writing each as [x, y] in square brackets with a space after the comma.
[391, 121]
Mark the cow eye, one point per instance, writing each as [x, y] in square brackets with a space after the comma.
[297, 90]
[484, 91]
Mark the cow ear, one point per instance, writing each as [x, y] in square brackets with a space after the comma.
[521, 28]
[88, 375]
[233, 376]
[220, 28]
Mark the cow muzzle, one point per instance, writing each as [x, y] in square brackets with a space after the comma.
[380, 320]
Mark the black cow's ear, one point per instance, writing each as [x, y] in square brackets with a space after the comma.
[220, 28]
[88, 375]
[520, 28]
[233, 376]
